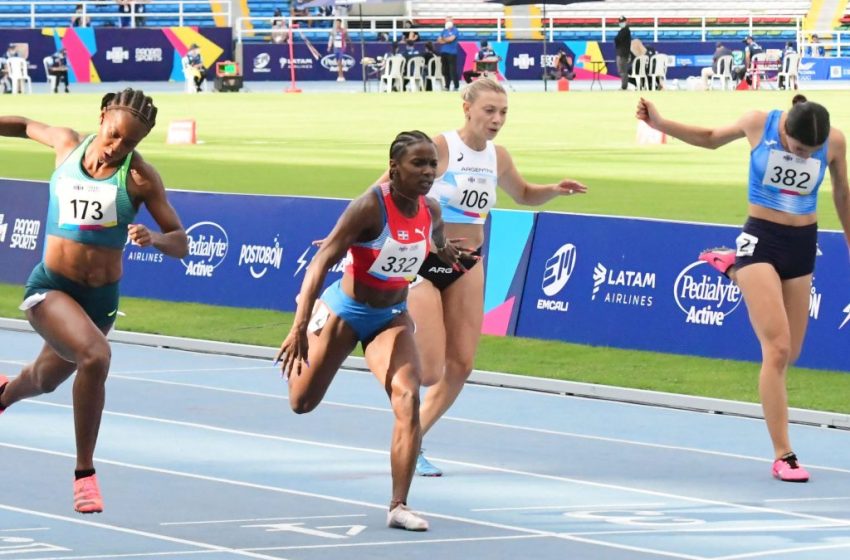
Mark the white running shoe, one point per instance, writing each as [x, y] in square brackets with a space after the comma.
[402, 518]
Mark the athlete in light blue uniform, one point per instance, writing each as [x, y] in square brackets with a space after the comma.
[71, 297]
[775, 254]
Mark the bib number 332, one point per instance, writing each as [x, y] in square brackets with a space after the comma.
[791, 173]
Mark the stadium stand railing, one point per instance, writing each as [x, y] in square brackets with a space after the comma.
[151, 13]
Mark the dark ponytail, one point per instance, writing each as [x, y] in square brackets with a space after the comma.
[807, 122]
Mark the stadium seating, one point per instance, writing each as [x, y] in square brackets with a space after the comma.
[56, 13]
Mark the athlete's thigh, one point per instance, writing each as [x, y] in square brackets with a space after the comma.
[762, 290]
[65, 327]
[796, 293]
[425, 305]
[392, 356]
[328, 349]
[463, 312]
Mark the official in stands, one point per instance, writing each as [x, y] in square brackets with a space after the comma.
[485, 54]
[623, 45]
[719, 52]
[815, 47]
[448, 54]
[789, 49]
[59, 68]
[280, 32]
[745, 72]
[196, 65]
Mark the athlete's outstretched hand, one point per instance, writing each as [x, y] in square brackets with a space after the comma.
[647, 112]
[568, 187]
[293, 352]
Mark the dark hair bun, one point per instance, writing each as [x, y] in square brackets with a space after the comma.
[799, 98]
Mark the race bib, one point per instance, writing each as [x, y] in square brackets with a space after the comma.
[398, 260]
[86, 204]
[790, 173]
[745, 245]
[475, 194]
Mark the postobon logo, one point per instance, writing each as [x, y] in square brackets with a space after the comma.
[208, 245]
[706, 298]
[263, 256]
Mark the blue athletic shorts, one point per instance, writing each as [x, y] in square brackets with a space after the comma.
[365, 320]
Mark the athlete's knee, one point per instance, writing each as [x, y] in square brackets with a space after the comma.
[777, 353]
[95, 360]
[431, 374]
[405, 398]
[458, 369]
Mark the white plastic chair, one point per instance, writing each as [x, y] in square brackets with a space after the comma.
[413, 73]
[435, 75]
[51, 78]
[639, 72]
[18, 74]
[658, 70]
[790, 70]
[393, 76]
[724, 72]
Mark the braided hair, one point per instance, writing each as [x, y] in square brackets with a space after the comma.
[403, 141]
[135, 102]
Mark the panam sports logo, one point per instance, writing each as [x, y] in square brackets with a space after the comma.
[559, 267]
[705, 297]
[208, 245]
[261, 256]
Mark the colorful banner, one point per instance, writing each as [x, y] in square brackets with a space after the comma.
[104, 54]
[23, 206]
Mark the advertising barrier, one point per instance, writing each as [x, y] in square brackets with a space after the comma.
[611, 281]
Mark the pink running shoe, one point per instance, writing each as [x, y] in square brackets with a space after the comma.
[787, 469]
[3, 382]
[400, 517]
[87, 498]
[720, 258]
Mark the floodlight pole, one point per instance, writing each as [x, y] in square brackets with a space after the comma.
[292, 87]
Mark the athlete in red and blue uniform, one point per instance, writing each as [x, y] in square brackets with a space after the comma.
[387, 233]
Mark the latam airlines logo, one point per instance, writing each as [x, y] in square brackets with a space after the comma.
[623, 287]
[208, 244]
[263, 256]
[706, 298]
[559, 267]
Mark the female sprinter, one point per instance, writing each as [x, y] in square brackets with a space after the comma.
[775, 254]
[387, 232]
[447, 305]
[71, 297]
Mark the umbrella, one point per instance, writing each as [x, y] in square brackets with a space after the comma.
[529, 2]
[349, 3]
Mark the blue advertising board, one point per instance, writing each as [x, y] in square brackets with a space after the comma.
[23, 206]
[633, 283]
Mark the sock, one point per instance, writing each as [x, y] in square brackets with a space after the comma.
[83, 474]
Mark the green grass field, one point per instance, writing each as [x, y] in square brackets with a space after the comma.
[335, 144]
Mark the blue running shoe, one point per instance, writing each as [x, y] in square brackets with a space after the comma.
[424, 467]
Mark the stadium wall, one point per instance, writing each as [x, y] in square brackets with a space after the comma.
[609, 281]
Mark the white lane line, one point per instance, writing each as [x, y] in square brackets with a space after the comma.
[26, 529]
[396, 543]
[570, 480]
[337, 499]
[190, 370]
[130, 555]
[587, 507]
[500, 425]
[792, 550]
[715, 529]
[213, 522]
[138, 533]
[841, 498]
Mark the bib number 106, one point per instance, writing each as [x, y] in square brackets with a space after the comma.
[474, 199]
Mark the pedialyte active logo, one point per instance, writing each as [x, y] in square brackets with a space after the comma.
[260, 257]
[705, 297]
[556, 273]
[622, 287]
[329, 62]
[208, 245]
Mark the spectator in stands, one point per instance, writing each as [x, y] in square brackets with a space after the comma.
[196, 63]
[299, 12]
[719, 52]
[410, 50]
[448, 54]
[815, 46]
[410, 36]
[338, 41]
[280, 33]
[485, 55]
[622, 44]
[4, 74]
[78, 19]
[750, 50]
[59, 68]
[564, 66]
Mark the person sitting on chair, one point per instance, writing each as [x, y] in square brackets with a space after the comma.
[196, 63]
[59, 68]
[484, 59]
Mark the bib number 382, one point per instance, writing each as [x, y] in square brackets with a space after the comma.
[791, 173]
[86, 205]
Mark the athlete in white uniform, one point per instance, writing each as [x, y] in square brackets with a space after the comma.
[775, 253]
[448, 305]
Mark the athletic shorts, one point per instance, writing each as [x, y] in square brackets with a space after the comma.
[100, 304]
[365, 320]
[338, 54]
[442, 275]
[790, 249]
